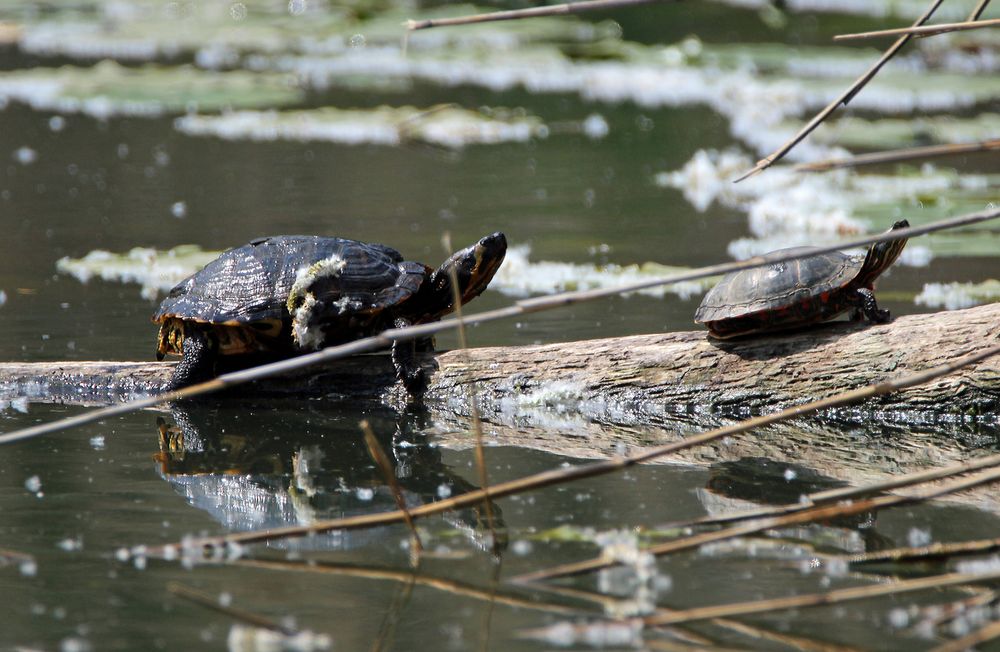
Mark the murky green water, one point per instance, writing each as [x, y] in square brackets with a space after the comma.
[72, 183]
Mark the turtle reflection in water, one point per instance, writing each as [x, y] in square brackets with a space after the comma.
[799, 292]
[292, 464]
[290, 294]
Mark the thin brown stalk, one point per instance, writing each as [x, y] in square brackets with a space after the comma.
[387, 629]
[837, 596]
[933, 551]
[561, 476]
[845, 493]
[794, 641]
[477, 425]
[8, 555]
[843, 98]
[978, 11]
[248, 617]
[388, 574]
[937, 615]
[822, 513]
[385, 466]
[923, 30]
[385, 339]
[896, 155]
[797, 642]
[532, 12]
[983, 635]
[676, 646]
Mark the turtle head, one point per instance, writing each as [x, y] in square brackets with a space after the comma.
[881, 255]
[471, 269]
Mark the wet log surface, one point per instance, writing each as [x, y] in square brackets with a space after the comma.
[637, 380]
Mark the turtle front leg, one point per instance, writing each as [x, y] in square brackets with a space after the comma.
[867, 306]
[408, 370]
[198, 363]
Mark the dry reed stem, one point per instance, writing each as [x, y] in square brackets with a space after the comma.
[934, 550]
[822, 513]
[6, 554]
[923, 30]
[978, 11]
[409, 576]
[844, 493]
[385, 466]
[560, 476]
[896, 155]
[987, 633]
[937, 615]
[204, 600]
[843, 98]
[795, 641]
[675, 646]
[818, 599]
[549, 302]
[532, 12]
[477, 425]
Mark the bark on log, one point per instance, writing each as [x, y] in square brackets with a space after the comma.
[663, 379]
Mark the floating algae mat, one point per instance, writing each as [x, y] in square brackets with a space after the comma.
[222, 33]
[763, 89]
[953, 296]
[108, 89]
[158, 271]
[450, 126]
[787, 208]
[519, 276]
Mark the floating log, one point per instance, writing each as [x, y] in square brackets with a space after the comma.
[661, 378]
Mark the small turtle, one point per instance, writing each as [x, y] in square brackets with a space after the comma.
[290, 294]
[798, 292]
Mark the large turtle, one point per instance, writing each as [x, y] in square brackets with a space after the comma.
[289, 294]
[798, 292]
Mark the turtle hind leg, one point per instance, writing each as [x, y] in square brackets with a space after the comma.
[198, 363]
[408, 369]
[867, 306]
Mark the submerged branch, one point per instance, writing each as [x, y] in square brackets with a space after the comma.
[248, 617]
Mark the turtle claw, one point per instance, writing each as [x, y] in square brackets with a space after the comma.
[870, 308]
[197, 365]
[408, 369]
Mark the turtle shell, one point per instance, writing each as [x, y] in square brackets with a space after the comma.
[811, 287]
[241, 296]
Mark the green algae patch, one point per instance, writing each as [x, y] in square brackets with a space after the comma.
[109, 89]
[446, 126]
[786, 208]
[156, 271]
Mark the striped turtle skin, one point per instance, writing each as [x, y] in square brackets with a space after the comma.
[284, 295]
[799, 292]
